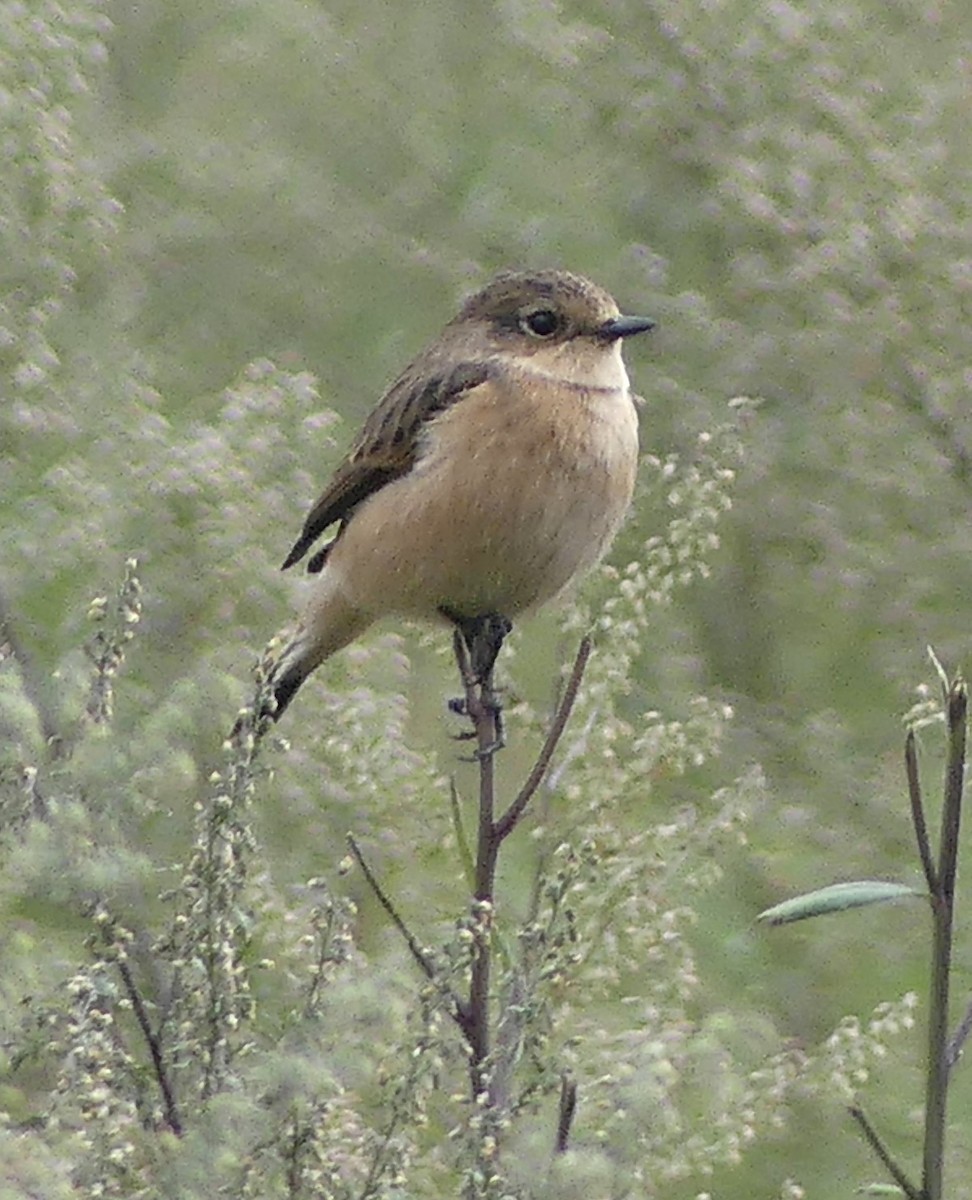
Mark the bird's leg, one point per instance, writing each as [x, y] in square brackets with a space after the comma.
[483, 636]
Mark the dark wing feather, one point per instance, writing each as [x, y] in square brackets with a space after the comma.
[388, 444]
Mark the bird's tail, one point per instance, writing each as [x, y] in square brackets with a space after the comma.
[278, 676]
[325, 629]
[288, 671]
[287, 675]
[329, 624]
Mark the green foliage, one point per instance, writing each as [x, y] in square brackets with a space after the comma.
[837, 897]
[56, 209]
[236, 1017]
[153, 1035]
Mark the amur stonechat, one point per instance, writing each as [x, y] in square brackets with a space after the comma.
[494, 471]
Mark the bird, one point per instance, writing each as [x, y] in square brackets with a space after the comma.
[493, 472]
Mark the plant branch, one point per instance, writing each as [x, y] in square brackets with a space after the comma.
[566, 1109]
[879, 1148]
[481, 706]
[954, 780]
[506, 823]
[459, 1012]
[936, 1093]
[918, 812]
[172, 1118]
[482, 709]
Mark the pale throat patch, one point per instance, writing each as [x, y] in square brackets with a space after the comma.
[583, 365]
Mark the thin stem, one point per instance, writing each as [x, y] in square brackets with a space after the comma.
[482, 709]
[459, 1013]
[942, 914]
[565, 1112]
[172, 1118]
[506, 823]
[481, 706]
[879, 1148]
[954, 780]
[918, 812]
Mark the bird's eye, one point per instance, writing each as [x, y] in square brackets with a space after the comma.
[541, 322]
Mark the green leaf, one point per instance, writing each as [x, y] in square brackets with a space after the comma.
[836, 898]
[879, 1189]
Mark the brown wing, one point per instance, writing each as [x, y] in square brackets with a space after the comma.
[387, 445]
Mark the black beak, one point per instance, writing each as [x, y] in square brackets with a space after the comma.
[622, 327]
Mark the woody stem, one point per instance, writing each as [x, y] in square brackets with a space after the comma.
[483, 711]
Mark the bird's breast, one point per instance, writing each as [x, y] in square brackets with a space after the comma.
[518, 488]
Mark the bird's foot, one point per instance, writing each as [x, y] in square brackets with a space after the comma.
[478, 643]
[491, 705]
[482, 753]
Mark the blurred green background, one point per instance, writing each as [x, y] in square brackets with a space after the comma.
[784, 187]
